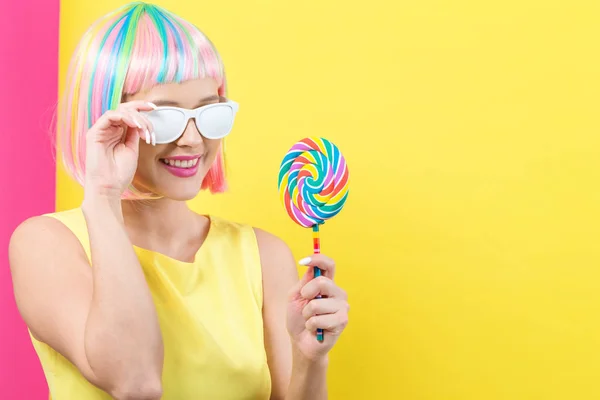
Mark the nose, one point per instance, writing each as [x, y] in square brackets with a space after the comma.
[191, 136]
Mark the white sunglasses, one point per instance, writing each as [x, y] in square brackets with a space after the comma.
[214, 121]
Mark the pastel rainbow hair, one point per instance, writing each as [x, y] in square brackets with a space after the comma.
[133, 48]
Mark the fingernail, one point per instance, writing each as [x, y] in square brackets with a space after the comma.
[147, 137]
[137, 123]
[304, 261]
[153, 105]
[153, 139]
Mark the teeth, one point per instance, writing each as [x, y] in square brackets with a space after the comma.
[181, 164]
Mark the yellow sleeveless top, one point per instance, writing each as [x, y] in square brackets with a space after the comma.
[210, 314]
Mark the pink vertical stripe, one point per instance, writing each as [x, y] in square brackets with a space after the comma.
[28, 93]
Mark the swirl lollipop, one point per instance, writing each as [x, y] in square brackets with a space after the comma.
[313, 186]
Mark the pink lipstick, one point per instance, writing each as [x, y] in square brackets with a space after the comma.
[182, 166]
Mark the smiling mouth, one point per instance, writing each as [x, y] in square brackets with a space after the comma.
[183, 164]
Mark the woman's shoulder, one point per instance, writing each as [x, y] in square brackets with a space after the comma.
[44, 234]
[49, 223]
[269, 242]
[65, 223]
[72, 214]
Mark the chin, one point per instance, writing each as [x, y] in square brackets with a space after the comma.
[183, 194]
[174, 188]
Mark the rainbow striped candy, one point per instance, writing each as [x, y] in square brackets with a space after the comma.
[313, 181]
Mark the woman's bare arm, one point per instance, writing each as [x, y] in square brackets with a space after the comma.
[102, 319]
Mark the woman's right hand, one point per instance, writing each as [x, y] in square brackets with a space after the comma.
[112, 148]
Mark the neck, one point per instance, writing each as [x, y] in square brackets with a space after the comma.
[154, 221]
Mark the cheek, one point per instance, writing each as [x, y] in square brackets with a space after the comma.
[147, 156]
[213, 149]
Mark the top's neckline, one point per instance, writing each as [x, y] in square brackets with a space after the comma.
[209, 234]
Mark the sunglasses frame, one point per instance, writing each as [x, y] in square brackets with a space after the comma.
[195, 113]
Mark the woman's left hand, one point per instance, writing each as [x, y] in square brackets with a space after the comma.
[306, 313]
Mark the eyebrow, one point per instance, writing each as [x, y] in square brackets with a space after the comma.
[161, 102]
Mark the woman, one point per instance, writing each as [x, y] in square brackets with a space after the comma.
[135, 296]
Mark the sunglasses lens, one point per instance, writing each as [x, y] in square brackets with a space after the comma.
[215, 122]
[168, 124]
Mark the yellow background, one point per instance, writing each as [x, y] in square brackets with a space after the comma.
[469, 241]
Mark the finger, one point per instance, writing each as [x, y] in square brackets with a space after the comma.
[142, 123]
[332, 323]
[147, 125]
[112, 119]
[326, 264]
[136, 108]
[324, 306]
[132, 139]
[322, 286]
[295, 291]
[138, 105]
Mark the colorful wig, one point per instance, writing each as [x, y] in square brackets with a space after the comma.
[134, 48]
